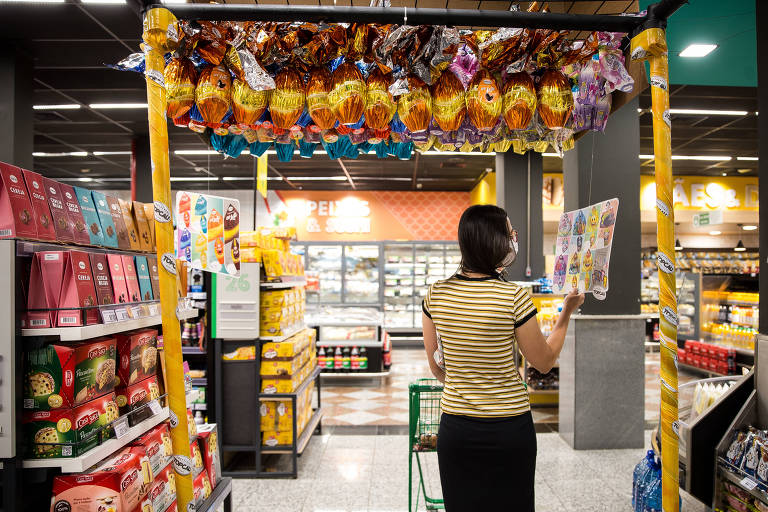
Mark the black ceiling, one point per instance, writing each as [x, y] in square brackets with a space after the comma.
[70, 44]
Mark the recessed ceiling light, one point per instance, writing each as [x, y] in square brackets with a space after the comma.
[107, 153]
[194, 178]
[237, 178]
[704, 112]
[60, 106]
[85, 180]
[747, 158]
[698, 50]
[749, 227]
[102, 106]
[705, 158]
[317, 178]
[715, 233]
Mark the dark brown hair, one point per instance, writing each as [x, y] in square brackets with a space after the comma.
[483, 238]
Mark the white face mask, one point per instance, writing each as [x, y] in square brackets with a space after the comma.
[512, 254]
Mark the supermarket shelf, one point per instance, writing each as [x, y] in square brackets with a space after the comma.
[193, 351]
[95, 331]
[284, 337]
[222, 491]
[91, 457]
[702, 370]
[349, 343]
[286, 283]
[304, 438]
[738, 480]
[276, 397]
[355, 375]
[200, 381]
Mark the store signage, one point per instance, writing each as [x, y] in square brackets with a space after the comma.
[350, 215]
[708, 218]
[695, 193]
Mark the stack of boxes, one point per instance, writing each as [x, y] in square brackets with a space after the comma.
[281, 311]
[708, 356]
[271, 248]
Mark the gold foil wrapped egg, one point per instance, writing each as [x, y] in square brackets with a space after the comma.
[287, 102]
[347, 94]
[180, 77]
[318, 105]
[248, 104]
[212, 93]
[415, 107]
[518, 100]
[484, 100]
[380, 106]
[555, 99]
[448, 102]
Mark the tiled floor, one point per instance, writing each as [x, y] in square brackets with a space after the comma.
[351, 473]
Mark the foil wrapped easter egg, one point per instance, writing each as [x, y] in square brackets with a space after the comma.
[414, 108]
[180, 77]
[212, 93]
[248, 104]
[318, 105]
[518, 100]
[380, 106]
[287, 102]
[448, 102]
[347, 94]
[555, 99]
[484, 100]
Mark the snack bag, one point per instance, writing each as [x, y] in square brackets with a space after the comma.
[752, 452]
[735, 453]
[762, 468]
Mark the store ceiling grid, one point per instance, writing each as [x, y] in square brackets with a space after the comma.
[71, 43]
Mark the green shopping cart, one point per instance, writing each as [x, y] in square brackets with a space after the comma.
[423, 423]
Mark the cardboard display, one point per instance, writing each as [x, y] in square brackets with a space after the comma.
[61, 221]
[44, 288]
[137, 353]
[123, 239]
[145, 281]
[131, 279]
[77, 291]
[16, 213]
[130, 224]
[90, 216]
[76, 219]
[142, 227]
[101, 279]
[108, 229]
[119, 289]
[40, 208]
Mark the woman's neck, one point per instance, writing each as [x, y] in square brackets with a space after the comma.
[469, 273]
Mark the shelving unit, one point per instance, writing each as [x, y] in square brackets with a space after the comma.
[291, 332]
[220, 497]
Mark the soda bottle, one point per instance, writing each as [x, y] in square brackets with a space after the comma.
[637, 477]
[355, 360]
[363, 359]
[338, 360]
[329, 359]
[386, 354]
[321, 357]
[346, 359]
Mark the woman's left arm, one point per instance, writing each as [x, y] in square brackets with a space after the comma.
[430, 345]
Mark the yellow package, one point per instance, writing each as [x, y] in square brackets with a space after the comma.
[250, 255]
[284, 416]
[268, 415]
[291, 347]
[272, 298]
[241, 354]
[274, 328]
[273, 263]
[275, 314]
[273, 438]
[248, 239]
[289, 367]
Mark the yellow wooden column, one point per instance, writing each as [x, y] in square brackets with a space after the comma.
[651, 44]
[161, 34]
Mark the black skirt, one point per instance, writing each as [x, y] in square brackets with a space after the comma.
[487, 465]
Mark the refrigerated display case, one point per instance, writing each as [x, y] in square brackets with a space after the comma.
[324, 262]
[361, 274]
[398, 285]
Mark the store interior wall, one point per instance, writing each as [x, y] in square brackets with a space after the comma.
[16, 124]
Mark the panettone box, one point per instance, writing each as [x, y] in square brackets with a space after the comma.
[119, 289]
[198, 466]
[78, 429]
[66, 375]
[40, 208]
[17, 218]
[134, 397]
[101, 278]
[76, 219]
[207, 436]
[162, 490]
[137, 353]
[90, 216]
[108, 229]
[62, 223]
[156, 445]
[45, 277]
[123, 238]
[131, 279]
[201, 488]
[77, 291]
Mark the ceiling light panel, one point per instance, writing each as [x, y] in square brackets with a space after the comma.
[108, 106]
[698, 50]
[704, 112]
[59, 106]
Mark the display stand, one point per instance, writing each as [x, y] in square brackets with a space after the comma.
[329, 337]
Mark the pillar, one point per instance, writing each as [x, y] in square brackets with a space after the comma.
[761, 19]
[141, 169]
[600, 167]
[518, 191]
[16, 114]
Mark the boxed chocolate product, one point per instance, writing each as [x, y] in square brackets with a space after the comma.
[117, 485]
[77, 291]
[40, 208]
[131, 279]
[123, 239]
[149, 213]
[154, 276]
[45, 277]
[16, 213]
[157, 446]
[137, 353]
[130, 224]
[209, 446]
[172, 508]
[90, 216]
[78, 429]
[59, 375]
[201, 488]
[108, 229]
[142, 227]
[118, 278]
[197, 458]
[162, 490]
[145, 282]
[101, 279]
[76, 219]
[61, 221]
[134, 396]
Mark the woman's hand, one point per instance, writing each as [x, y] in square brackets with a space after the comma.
[572, 301]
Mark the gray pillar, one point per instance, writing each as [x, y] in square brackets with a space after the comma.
[600, 167]
[524, 209]
[16, 115]
[762, 148]
[141, 183]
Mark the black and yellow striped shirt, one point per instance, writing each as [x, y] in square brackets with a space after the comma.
[476, 319]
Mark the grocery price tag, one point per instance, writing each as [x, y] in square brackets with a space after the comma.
[108, 316]
[748, 483]
[153, 310]
[155, 407]
[135, 311]
[121, 427]
[122, 315]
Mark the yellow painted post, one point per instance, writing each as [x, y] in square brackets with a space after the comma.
[651, 44]
[161, 33]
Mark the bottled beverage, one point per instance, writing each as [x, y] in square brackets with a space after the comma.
[338, 360]
[386, 354]
[321, 357]
[637, 476]
[354, 360]
[652, 494]
[363, 359]
[330, 360]
[346, 359]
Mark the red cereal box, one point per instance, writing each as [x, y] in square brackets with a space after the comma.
[157, 445]
[40, 208]
[77, 291]
[76, 219]
[61, 221]
[137, 353]
[209, 447]
[16, 214]
[162, 490]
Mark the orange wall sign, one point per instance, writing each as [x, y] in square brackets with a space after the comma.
[371, 216]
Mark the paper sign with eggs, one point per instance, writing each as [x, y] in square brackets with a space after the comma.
[583, 249]
[208, 232]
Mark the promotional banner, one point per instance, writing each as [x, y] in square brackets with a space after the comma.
[208, 231]
[583, 250]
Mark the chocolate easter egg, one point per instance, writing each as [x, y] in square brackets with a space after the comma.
[318, 105]
[380, 106]
[287, 101]
[212, 93]
[448, 103]
[248, 104]
[484, 100]
[555, 98]
[180, 78]
[347, 94]
[415, 107]
[518, 100]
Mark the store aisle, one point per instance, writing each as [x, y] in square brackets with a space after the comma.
[350, 473]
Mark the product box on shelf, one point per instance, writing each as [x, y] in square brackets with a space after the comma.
[286, 383]
[142, 227]
[118, 278]
[101, 279]
[119, 484]
[191, 425]
[76, 219]
[156, 444]
[45, 277]
[77, 291]
[90, 216]
[123, 238]
[154, 276]
[130, 224]
[145, 282]
[149, 213]
[108, 229]
[198, 466]
[201, 488]
[172, 508]
[78, 429]
[131, 279]
[40, 208]
[61, 221]
[209, 445]
[16, 213]
[68, 375]
[289, 348]
[137, 353]
[270, 367]
[162, 490]
[135, 396]
[278, 416]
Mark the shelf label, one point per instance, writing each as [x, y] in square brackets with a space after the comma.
[121, 427]
[748, 483]
[108, 316]
[135, 311]
[122, 315]
[155, 407]
[153, 310]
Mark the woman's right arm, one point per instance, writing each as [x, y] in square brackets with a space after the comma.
[430, 345]
[543, 352]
